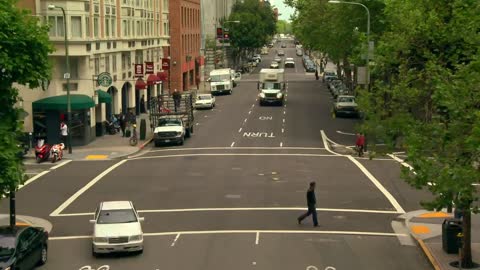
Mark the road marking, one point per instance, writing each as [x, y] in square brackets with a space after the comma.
[283, 130]
[402, 162]
[237, 148]
[240, 130]
[196, 124]
[281, 144]
[283, 120]
[236, 154]
[245, 120]
[257, 238]
[32, 179]
[377, 183]
[246, 232]
[96, 157]
[284, 112]
[175, 240]
[240, 209]
[77, 194]
[61, 164]
[233, 143]
[325, 143]
[346, 133]
[249, 112]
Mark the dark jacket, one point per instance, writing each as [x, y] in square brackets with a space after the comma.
[311, 200]
[177, 96]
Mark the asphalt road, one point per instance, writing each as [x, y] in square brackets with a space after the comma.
[229, 197]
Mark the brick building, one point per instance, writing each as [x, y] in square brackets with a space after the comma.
[185, 44]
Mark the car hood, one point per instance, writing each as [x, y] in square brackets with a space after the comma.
[219, 83]
[116, 230]
[203, 101]
[347, 104]
[168, 128]
[270, 91]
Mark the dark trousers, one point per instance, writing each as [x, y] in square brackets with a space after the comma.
[176, 103]
[311, 211]
[122, 127]
[65, 140]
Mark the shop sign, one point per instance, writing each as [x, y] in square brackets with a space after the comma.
[104, 79]
[138, 70]
[149, 68]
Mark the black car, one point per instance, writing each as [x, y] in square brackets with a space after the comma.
[22, 247]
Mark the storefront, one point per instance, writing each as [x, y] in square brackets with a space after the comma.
[49, 112]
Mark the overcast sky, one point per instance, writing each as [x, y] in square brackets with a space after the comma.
[282, 9]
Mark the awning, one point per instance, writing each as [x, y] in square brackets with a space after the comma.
[140, 84]
[153, 79]
[103, 97]
[58, 103]
[162, 76]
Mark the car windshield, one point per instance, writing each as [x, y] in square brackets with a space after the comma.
[116, 216]
[271, 85]
[7, 246]
[330, 73]
[346, 99]
[204, 97]
[169, 122]
[220, 78]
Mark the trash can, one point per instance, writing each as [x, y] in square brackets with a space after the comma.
[99, 129]
[143, 129]
[451, 227]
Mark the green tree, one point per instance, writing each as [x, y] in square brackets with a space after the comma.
[284, 27]
[425, 98]
[24, 48]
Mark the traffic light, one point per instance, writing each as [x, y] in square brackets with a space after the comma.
[219, 33]
[226, 34]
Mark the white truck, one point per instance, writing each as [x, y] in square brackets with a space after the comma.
[271, 85]
[221, 81]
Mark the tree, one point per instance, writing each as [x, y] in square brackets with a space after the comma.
[24, 48]
[284, 27]
[425, 98]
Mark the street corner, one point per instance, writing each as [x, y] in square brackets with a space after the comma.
[424, 224]
[27, 221]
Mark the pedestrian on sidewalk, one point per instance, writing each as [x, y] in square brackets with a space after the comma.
[316, 74]
[176, 99]
[123, 123]
[64, 132]
[360, 144]
[311, 204]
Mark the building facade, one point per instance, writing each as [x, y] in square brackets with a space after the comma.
[185, 44]
[113, 37]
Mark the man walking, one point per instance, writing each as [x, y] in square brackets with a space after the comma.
[311, 202]
[123, 123]
[360, 144]
[176, 99]
[64, 132]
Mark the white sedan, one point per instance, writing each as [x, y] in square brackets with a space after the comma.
[274, 64]
[205, 101]
[289, 62]
[116, 228]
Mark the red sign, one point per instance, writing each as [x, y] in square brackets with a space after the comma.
[149, 68]
[138, 70]
[165, 64]
[219, 32]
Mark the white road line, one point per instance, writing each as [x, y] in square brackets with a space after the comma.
[240, 209]
[284, 112]
[233, 143]
[61, 164]
[240, 130]
[249, 112]
[77, 194]
[236, 148]
[281, 144]
[32, 179]
[283, 120]
[196, 124]
[247, 232]
[257, 238]
[345, 133]
[401, 161]
[325, 143]
[377, 183]
[175, 240]
[283, 130]
[235, 154]
[245, 120]
[253, 105]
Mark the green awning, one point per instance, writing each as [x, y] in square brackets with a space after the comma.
[103, 97]
[59, 103]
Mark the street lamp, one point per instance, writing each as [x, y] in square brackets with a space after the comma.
[368, 31]
[67, 77]
[223, 42]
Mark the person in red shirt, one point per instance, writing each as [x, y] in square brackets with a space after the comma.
[360, 144]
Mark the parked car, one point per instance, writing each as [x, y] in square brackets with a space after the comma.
[205, 101]
[310, 66]
[345, 105]
[280, 53]
[299, 52]
[257, 57]
[289, 62]
[274, 64]
[116, 228]
[277, 59]
[329, 75]
[305, 59]
[23, 247]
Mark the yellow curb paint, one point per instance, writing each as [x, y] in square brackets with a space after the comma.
[22, 224]
[420, 229]
[427, 252]
[434, 215]
[93, 157]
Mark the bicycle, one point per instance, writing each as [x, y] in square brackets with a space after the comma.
[133, 140]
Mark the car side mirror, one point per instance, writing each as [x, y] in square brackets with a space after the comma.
[141, 219]
[92, 221]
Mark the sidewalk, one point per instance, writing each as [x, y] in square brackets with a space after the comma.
[26, 221]
[426, 228]
[107, 146]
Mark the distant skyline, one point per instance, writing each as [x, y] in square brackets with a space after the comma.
[283, 9]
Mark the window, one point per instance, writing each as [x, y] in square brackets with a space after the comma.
[114, 28]
[107, 27]
[124, 61]
[95, 27]
[56, 26]
[107, 63]
[97, 66]
[124, 27]
[138, 27]
[76, 25]
[114, 63]
[87, 26]
[74, 64]
[60, 27]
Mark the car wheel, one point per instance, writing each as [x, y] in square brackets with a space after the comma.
[157, 144]
[230, 92]
[43, 256]
[94, 254]
[181, 141]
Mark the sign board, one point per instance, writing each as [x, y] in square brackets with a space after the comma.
[165, 63]
[104, 79]
[138, 70]
[219, 33]
[362, 77]
[149, 68]
[66, 76]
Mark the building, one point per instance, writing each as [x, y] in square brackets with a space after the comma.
[124, 40]
[185, 62]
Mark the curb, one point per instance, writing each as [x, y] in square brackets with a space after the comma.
[145, 143]
[427, 253]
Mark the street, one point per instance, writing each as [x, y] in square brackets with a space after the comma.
[229, 198]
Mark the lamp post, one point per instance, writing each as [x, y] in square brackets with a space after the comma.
[67, 77]
[223, 42]
[368, 32]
